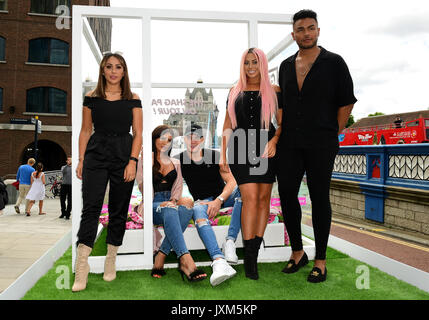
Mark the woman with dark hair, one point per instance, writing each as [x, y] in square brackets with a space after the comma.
[109, 155]
[169, 208]
[37, 189]
[251, 138]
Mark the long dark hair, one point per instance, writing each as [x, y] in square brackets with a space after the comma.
[157, 133]
[125, 81]
[39, 169]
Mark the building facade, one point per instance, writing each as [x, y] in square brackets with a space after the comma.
[35, 78]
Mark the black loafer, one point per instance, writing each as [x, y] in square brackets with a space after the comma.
[316, 275]
[293, 267]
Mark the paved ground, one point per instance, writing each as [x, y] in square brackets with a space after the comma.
[409, 248]
[24, 239]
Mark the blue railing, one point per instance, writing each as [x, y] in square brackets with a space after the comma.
[378, 166]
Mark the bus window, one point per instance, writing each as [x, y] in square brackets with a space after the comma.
[427, 123]
[413, 124]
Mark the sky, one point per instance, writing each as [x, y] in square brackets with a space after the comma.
[384, 43]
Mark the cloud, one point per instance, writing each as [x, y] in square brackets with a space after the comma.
[404, 25]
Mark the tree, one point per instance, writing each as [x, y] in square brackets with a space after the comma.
[350, 121]
[376, 114]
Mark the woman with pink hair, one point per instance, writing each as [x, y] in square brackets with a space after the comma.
[250, 138]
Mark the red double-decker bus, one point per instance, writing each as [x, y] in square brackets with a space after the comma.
[415, 131]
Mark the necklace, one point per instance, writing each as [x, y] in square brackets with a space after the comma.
[307, 69]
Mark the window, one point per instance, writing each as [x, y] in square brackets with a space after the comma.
[2, 49]
[413, 124]
[47, 6]
[46, 100]
[48, 50]
[427, 123]
[3, 5]
[1, 99]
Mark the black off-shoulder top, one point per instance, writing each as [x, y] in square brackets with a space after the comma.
[111, 117]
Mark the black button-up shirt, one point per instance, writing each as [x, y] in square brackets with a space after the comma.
[310, 115]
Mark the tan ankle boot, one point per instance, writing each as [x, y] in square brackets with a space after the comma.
[110, 263]
[81, 268]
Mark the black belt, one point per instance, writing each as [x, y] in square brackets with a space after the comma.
[111, 134]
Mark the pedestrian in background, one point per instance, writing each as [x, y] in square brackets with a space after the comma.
[65, 192]
[23, 176]
[4, 199]
[37, 189]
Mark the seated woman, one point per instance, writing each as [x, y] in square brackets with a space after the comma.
[169, 209]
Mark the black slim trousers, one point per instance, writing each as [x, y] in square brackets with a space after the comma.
[95, 176]
[65, 194]
[317, 164]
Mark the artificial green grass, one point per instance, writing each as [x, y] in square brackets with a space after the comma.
[272, 284]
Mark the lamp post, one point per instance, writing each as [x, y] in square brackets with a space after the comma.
[215, 115]
[35, 137]
[37, 130]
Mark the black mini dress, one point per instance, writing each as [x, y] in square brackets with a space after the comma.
[110, 144]
[248, 142]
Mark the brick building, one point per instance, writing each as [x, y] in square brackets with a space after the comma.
[35, 79]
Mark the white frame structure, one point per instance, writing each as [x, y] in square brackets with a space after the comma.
[80, 27]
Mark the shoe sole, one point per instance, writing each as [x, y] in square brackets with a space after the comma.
[221, 279]
[232, 261]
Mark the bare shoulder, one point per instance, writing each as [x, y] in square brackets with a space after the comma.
[136, 96]
[89, 93]
[276, 88]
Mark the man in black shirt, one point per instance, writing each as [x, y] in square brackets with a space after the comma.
[211, 189]
[317, 99]
[66, 190]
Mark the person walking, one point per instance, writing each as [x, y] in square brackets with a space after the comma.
[65, 193]
[37, 190]
[23, 176]
[317, 95]
[110, 154]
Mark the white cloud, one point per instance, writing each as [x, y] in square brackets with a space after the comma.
[415, 24]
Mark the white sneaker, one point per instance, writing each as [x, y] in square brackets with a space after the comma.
[221, 271]
[228, 249]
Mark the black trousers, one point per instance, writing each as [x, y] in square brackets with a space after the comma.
[318, 164]
[95, 176]
[65, 194]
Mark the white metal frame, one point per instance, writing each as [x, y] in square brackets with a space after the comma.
[142, 261]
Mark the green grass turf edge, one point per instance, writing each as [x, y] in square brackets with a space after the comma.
[272, 284]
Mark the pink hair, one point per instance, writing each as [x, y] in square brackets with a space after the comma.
[266, 91]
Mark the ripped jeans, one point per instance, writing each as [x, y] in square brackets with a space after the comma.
[205, 230]
[174, 219]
